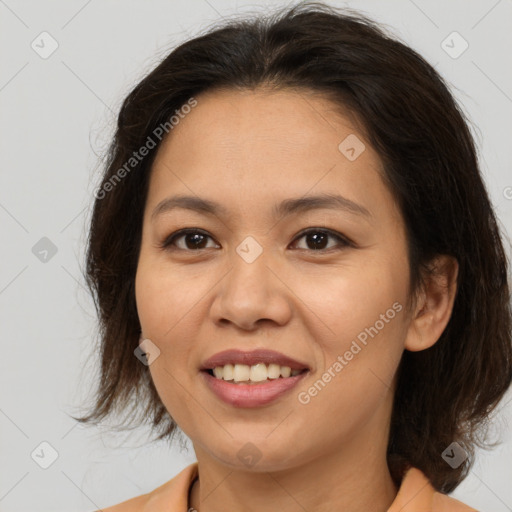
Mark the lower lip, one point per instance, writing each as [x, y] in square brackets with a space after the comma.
[251, 395]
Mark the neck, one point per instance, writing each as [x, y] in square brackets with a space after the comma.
[352, 481]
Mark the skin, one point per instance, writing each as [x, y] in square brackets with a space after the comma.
[248, 151]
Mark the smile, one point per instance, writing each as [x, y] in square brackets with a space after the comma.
[251, 379]
[255, 373]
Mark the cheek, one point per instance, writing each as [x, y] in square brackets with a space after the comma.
[162, 297]
[169, 308]
[160, 309]
[152, 300]
[344, 302]
[359, 328]
[359, 342]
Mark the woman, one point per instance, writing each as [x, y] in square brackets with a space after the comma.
[296, 262]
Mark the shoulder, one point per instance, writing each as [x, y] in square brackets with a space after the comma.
[417, 494]
[132, 505]
[444, 503]
[172, 495]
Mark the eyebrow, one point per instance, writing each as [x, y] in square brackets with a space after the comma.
[284, 208]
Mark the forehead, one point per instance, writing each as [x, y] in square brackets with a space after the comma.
[280, 119]
[262, 143]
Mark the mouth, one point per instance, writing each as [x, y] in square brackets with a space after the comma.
[254, 374]
[251, 379]
[254, 366]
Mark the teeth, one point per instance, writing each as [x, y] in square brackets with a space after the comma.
[255, 373]
[273, 371]
[241, 372]
[227, 372]
[285, 371]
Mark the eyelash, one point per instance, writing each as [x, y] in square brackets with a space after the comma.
[342, 240]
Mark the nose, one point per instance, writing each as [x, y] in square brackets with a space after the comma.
[251, 293]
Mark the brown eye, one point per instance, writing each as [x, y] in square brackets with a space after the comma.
[317, 240]
[193, 240]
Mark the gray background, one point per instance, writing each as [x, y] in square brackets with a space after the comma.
[57, 115]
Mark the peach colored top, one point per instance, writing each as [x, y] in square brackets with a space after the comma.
[416, 494]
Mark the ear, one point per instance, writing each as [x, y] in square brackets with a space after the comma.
[434, 304]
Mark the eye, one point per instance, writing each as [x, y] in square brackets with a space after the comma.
[317, 238]
[194, 236]
[194, 239]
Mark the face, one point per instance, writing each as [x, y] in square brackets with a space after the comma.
[249, 277]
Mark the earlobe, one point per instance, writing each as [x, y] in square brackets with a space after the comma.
[435, 304]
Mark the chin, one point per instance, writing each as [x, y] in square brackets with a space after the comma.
[257, 455]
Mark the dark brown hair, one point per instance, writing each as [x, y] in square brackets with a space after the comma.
[406, 112]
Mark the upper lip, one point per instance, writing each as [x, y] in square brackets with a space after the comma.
[251, 358]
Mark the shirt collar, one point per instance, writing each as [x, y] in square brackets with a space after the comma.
[416, 494]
